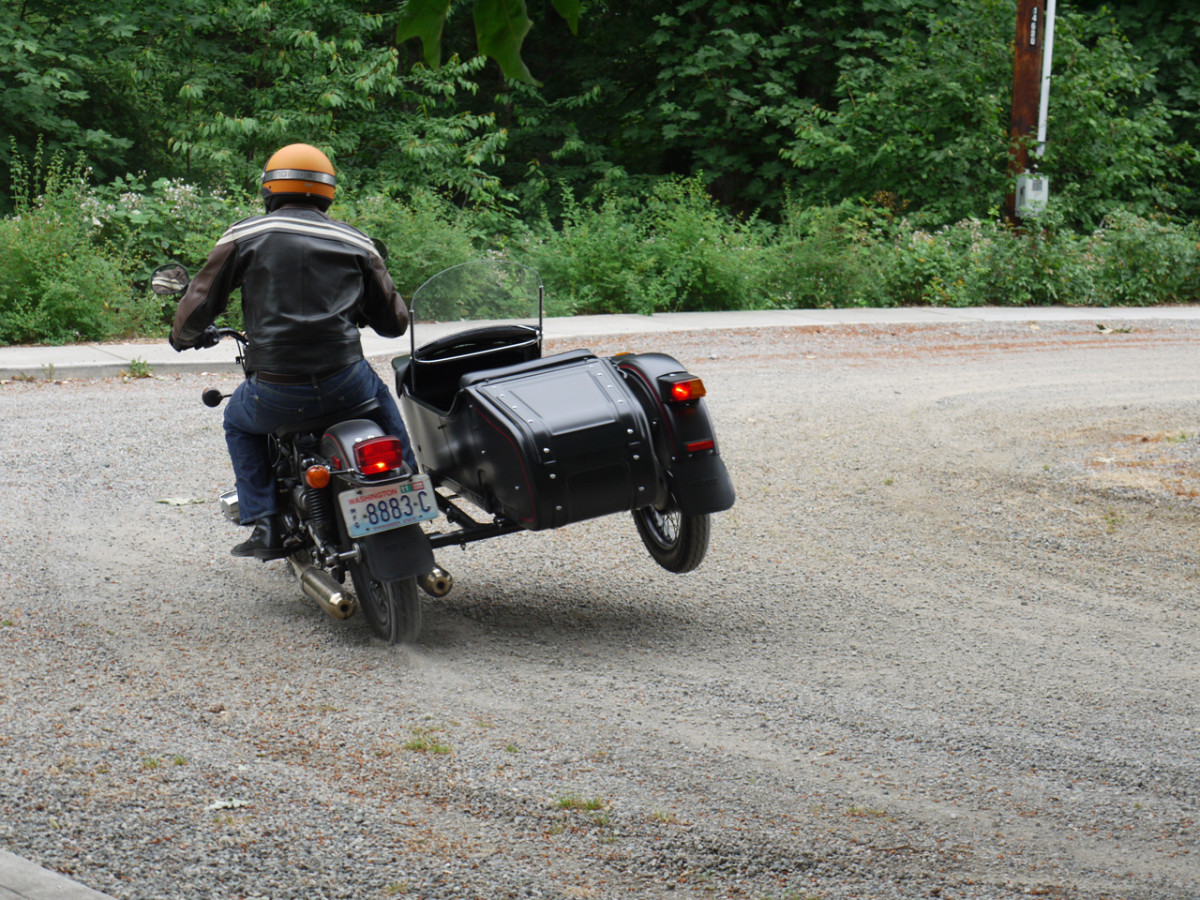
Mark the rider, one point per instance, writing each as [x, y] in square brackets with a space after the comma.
[309, 283]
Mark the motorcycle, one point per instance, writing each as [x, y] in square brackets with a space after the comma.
[530, 441]
[350, 505]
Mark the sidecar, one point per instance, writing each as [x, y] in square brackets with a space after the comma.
[540, 442]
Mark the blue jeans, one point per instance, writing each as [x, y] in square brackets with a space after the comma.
[256, 409]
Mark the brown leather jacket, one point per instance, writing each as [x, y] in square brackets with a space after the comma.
[308, 284]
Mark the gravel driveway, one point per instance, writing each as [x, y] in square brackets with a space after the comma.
[945, 645]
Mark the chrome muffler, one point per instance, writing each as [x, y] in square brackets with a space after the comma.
[330, 596]
[436, 582]
[229, 506]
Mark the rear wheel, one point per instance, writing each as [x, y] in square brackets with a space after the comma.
[392, 608]
[677, 542]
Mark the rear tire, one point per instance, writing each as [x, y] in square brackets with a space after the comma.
[392, 608]
[677, 542]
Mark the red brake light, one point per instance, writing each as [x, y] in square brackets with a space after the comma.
[684, 388]
[378, 455]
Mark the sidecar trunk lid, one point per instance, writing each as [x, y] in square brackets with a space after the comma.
[557, 445]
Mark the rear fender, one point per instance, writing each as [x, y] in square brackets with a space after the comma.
[400, 553]
[684, 437]
[337, 444]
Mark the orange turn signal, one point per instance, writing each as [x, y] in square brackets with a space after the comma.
[316, 477]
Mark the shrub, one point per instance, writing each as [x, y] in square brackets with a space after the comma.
[59, 279]
[667, 249]
[1143, 261]
[424, 234]
[169, 219]
[825, 256]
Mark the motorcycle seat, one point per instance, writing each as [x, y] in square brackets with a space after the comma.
[321, 423]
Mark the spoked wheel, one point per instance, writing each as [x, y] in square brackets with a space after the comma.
[392, 608]
[677, 542]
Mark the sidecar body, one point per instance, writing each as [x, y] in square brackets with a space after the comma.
[544, 441]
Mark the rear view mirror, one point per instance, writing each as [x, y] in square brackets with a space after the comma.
[171, 278]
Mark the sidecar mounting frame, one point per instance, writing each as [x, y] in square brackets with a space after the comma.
[469, 530]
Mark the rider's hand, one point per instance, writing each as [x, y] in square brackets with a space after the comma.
[209, 337]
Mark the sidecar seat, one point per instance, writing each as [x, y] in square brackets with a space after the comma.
[433, 372]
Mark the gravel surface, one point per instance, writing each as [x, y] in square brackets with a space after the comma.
[945, 645]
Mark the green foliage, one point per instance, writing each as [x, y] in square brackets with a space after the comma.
[1112, 146]
[424, 234]
[59, 281]
[921, 114]
[1164, 36]
[61, 68]
[864, 145]
[669, 250]
[1130, 260]
[500, 28]
[168, 219]
[323, 72]
[826, 256]
[1146, 261]
[924, 114]
[720, 66]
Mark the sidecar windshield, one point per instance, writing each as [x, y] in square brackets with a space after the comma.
[480, 292]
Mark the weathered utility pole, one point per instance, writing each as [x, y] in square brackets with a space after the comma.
[1030, 85]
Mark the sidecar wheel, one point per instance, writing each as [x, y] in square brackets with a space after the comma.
[677, 542]
[392, 608]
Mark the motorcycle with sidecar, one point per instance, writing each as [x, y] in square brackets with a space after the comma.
[506, 440]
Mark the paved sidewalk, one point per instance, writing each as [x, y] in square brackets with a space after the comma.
[93, 360]
[24, 880]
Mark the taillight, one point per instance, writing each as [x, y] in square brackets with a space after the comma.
[682, 388]
[378, 455]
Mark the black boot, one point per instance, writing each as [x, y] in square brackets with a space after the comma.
[265, 542]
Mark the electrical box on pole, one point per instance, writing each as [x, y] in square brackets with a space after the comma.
[1032, 54]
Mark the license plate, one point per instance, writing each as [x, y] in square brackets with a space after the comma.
[370, 510]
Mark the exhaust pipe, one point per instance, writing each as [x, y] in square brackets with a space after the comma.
[330, 596]
[436, 582]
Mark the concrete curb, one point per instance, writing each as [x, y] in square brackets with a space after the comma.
[22, 880]
[102, 360]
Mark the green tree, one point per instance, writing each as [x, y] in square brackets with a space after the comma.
[500, 29]
[922, 121]
[63, 67]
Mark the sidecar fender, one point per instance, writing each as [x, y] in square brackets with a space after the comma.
[685, 440]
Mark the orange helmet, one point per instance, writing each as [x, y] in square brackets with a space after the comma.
[299, 169]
